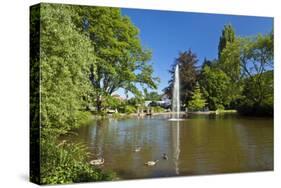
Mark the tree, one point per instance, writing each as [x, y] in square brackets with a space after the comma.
[65, 57]
[197, 101]
[258, 95]
[151, 96]
[215, 86]
[256, 55]
[121, 61]
[229, 63]
[227, 36]
[257, 71]
[188, 75]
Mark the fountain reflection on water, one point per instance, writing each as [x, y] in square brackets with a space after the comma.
[177, 147]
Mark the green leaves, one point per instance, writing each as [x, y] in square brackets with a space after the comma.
[67, 163]
[228, 36]
[188, 74]
[215, 85]
[65, 58]
[257, 63]
[121, 61]
[197, 101]
[245, 62]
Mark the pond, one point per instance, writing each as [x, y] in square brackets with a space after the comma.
[200, 144]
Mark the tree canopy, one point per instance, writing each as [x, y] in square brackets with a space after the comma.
[227, 36]
[65, 58]
[121, 61]
[215, 86]
[241, 77]
[86, 54]
[188, 75]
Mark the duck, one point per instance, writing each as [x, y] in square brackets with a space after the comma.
[151, 163]
[97, 162]
[165, 156]
[137, 149]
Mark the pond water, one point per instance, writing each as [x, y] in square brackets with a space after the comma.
[201, 144]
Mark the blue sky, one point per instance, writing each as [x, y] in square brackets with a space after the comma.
[167, 33]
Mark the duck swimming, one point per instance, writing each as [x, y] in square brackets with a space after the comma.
[151, 163]
[137, 149]
[165, 156]
[97, 161]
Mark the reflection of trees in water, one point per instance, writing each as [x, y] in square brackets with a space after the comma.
[256, 144]
[194, 146]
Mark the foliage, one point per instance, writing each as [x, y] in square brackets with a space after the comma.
[242, 78]
[197, 101]
[151, 96]
[121, 61]
[157, 109]
[136, 101]
[111, 102]
[67, 163]
[256, 58]
[258, 95]
[188, 75]
[227, 36]
[130, 109]
[215, 86]
[256, 55]
[34, 93]
[65, 55]
[229, 63]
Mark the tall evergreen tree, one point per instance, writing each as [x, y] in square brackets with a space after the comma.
[197, 101]
[227, 36]
[229, 62]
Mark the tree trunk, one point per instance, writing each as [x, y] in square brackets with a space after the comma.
[99, 103]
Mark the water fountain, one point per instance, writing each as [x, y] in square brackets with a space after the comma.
[176, 117]
[176, 97]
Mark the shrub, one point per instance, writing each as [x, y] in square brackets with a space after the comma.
[63, 163]
[158, 109]
[130, 109]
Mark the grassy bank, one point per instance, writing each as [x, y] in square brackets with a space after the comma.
[64, 162]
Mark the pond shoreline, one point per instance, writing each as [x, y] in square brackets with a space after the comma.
[138, 115]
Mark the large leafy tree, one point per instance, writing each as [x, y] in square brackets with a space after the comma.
[256, 55]
[65, 58]
[188, 75]
[215, 85]
[121, 61]
[257, 71]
